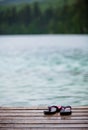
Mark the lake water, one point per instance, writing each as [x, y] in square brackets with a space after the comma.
[44, 70]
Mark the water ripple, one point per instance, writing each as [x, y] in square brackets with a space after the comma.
[40, 74]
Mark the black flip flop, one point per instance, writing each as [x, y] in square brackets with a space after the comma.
[67, 110]
[52, 110]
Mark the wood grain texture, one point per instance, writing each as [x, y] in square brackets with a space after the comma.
[33, 118]
[44, 129]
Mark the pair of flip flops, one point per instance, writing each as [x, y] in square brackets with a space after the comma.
[64, 110]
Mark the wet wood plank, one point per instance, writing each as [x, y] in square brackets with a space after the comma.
[12, 125]
[33, 118]
[37, 108]
[46, 118]
[32, 121]
[44, 129]
[33, 110]
[37, 114]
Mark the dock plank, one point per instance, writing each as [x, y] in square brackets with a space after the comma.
[37, 114]
[44, 129]
[44, 125]
[33, 118]
[23, 121]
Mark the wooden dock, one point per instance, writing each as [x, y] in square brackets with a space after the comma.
[33, 118]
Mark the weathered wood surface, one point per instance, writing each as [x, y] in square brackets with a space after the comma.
[33, 118]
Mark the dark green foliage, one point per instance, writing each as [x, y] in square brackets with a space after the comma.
[67, 19]
[25, 16]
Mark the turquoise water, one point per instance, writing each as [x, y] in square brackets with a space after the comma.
[44, 70]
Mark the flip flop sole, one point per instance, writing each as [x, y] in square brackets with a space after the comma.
[65, 113]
